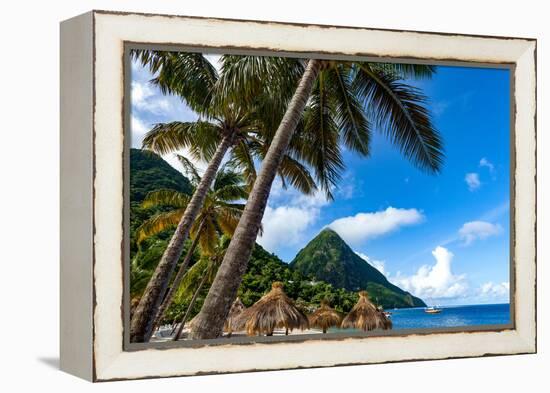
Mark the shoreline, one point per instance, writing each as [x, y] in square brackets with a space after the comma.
[158, 337]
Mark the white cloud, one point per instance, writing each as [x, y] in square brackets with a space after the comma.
[435, 281]
[138, 129]
[285, 225]
[378, 265]
[363, 226]
[486, 163]
[288, 216]
[492, 290]
[145, 98]
[472, 180]
[474, 230]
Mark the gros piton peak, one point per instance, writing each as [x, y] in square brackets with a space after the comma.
[327, 257]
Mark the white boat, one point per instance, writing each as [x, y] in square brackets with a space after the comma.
[432, 310]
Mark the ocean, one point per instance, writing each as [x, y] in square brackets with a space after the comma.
[451, 316]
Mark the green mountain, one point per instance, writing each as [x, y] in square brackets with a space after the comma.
[149, 172]
[264, 268]
[327, 257]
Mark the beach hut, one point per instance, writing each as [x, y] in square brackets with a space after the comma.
[233, 323]
[325, 317]
[273, 310]
[365, 316]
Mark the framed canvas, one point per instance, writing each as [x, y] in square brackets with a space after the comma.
[395, 171]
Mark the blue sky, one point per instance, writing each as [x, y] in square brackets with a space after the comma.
[444, 238]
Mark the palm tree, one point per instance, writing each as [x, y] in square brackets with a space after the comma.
[342, 98]
[206, 268]
[219, 213]
[192, 77]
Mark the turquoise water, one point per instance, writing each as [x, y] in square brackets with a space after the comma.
[450, 316]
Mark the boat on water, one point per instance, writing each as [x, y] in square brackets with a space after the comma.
[432, 310]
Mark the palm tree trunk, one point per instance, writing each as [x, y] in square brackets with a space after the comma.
[141, 325]
[177, 281]
[209, 323]
[190, 308]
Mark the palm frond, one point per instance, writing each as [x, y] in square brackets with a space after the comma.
[405, 71]
[185, 74]
[158, 223]
[228, 218]
[209, 236]
[165, 197]
[291, 170]
[200, 137]
[189, 168]
[352, 121]
[243, 78]
[226, 177]
[400, 111]
[321, 131]
[242, 161]
[190, 281]
[231, 193]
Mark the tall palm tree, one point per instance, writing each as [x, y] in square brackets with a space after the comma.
[192, 77]
[344, 98]
[206, 268]
[220, 213]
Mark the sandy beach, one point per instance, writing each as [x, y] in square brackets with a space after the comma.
[163, 334]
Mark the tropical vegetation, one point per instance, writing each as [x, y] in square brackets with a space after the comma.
[337, 102]
[292, 117]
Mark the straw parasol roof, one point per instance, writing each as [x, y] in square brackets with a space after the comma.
[365, 316]
[233, 323]
[325, 317]
[273, 310]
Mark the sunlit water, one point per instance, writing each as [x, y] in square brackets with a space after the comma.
[451, 316]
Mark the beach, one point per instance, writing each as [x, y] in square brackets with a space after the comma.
[405, 318]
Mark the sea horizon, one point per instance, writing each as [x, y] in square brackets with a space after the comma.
[451, 316]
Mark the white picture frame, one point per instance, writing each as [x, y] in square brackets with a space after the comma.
[93, 118]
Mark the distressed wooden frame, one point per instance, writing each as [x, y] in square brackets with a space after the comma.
[93, 119]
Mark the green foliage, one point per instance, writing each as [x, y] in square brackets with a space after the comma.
[265, 268]
[327, 257]
[149, 172]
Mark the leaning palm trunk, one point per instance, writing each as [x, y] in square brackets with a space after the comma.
[141, 326]
[209, 323]
[176, 284]
[190, 308]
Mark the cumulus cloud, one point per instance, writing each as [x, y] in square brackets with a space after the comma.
[285, 225]
[492, 290]
[484, 162]
[378, 265]
[474, 230]
[139, 129]
[363, 226]
[472, 180]
[435, 281]
[145, 98]
[288, 216]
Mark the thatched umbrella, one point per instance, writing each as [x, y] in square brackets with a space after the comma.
[273, 310]
[233, 323]
[365, 316]
[325, 317]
